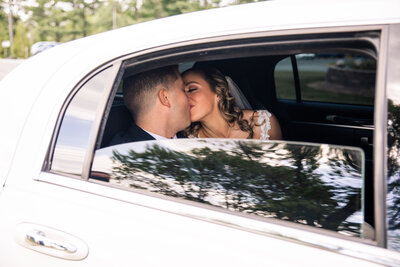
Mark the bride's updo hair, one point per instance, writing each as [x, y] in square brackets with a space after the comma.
[226, 104]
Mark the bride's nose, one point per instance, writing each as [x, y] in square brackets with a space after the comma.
[190, 100]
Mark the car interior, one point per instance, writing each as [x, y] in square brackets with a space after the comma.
[298, 78]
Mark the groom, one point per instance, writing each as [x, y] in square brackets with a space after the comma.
[158, 104]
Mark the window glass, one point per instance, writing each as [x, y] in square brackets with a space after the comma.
[284, 80]
[77, 125]
[337, 78]
[316, 185]
[331, 77]
[119, 90]
[393, 137]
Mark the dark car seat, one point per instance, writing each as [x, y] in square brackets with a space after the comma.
[118, 120]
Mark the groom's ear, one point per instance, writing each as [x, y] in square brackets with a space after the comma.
[163, 96]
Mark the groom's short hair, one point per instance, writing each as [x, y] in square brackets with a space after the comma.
[140, 90]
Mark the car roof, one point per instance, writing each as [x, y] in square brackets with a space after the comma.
[246, 18]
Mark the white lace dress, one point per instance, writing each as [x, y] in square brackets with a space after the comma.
[263, 121]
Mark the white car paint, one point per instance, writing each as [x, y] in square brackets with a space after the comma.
[132, 231]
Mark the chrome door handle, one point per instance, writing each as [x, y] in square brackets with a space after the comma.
[38, 238]
[50, 241]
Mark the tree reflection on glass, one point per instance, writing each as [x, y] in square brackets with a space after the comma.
[393, 182]
[313, 185]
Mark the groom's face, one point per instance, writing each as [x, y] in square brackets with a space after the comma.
[180, 114]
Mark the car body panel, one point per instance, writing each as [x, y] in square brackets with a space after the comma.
[212, 242]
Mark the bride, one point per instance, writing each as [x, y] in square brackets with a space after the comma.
[214, 113]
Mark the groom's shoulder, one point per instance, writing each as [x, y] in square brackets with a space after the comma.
[181, 135]
[133, 134]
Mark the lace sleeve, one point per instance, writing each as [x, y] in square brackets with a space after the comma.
[265, 123]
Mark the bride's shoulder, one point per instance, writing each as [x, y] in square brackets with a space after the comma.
[258, 116]
[249, 114]
[266, 125]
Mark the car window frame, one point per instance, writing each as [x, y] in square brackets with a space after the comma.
[115, 67]
[187, 49]
[380, 135]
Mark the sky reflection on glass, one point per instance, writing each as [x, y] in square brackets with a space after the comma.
[75, 131]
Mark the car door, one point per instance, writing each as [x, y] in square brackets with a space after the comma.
[55, 216]
[328, 96]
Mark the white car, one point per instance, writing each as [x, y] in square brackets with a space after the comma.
[41, 46]
[327, 194]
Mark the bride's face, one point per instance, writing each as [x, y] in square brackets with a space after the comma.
[202, 100]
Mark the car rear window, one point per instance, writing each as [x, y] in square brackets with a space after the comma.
[330, 77]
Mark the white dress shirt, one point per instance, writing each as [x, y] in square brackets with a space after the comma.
[158, 137]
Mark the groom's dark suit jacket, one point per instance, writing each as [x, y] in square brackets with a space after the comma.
[133, 134]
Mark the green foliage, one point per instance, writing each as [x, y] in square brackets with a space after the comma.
[358, 63]
[65, 20]
[62, 20]
[286, 90]
[21, 45]
[3, 29]
[102, 19]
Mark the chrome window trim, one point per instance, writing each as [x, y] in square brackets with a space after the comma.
[380, 121]
[259, 34]
[190, 50]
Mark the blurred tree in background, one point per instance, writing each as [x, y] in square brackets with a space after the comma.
[21, 43]
[65, 20]
[3, 29]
